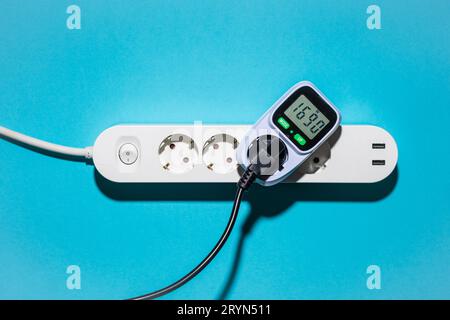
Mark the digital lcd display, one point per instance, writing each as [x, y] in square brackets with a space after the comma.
[305, 115]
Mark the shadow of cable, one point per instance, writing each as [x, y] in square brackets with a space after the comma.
[265, 205]
[264, 202]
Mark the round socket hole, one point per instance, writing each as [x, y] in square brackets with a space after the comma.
[219, 153]
[178, 153]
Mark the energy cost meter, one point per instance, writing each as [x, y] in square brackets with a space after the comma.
[293, 128]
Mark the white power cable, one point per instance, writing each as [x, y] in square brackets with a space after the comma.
[44, 145]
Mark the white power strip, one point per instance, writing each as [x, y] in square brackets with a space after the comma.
[206, 153]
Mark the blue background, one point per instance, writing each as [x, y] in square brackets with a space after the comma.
[222, 62]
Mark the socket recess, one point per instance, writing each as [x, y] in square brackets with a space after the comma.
[219, 153]
[317, 161]
[178, 153]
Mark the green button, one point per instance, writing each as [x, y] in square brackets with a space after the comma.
[300, 139]
[282, 121]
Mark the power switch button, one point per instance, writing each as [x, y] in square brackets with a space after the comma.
[128, 153]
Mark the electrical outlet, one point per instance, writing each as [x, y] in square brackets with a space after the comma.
[178, 153]
[317, 160]
[219, 153]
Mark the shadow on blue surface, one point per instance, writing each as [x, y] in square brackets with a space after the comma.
[264, 205]
[264, 202]
[259, 196]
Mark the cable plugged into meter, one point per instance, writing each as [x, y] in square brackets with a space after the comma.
[297, 124]
[265, 152]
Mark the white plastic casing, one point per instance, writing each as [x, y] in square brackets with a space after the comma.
[347, 157]
[265, 126]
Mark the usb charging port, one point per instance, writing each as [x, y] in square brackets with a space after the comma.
[378, 162]
[378, 146]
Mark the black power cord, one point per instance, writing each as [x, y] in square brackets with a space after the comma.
[266, 155]
[244, 183]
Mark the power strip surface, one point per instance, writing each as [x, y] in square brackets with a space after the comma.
[207, 154]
